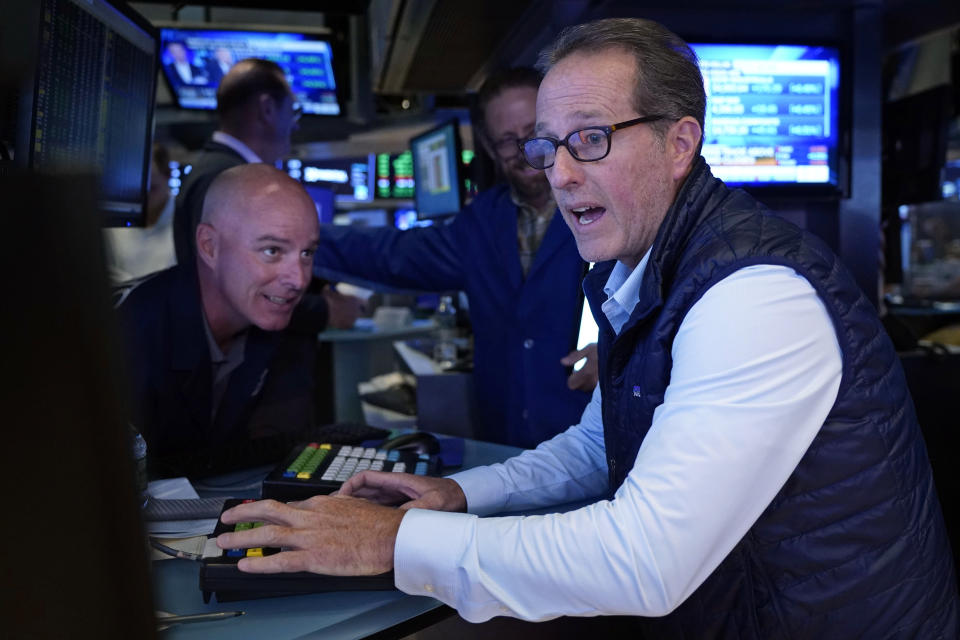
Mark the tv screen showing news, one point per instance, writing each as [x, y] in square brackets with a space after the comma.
[772, 113]
[194, 60]
[437, 186]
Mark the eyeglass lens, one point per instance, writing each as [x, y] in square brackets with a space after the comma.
[585, 144]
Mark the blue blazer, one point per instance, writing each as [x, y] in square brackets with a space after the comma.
[522, 326]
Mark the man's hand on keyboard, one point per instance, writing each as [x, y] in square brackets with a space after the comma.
[331, 535]
[406, 490]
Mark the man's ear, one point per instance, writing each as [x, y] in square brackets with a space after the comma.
[266, 108]
[208, 243]
[684, 140]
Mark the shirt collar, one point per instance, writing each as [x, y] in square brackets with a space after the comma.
[228, 140]
[623, 290]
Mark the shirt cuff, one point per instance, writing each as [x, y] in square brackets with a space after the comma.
[483, 489]
[429, 547]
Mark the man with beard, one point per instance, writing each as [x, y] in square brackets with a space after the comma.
[512, 254]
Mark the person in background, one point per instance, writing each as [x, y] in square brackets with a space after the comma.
[206, 345]
[752, 455]
[218, 65]
[179, 68]
[133, 252]
[258, 113]
[511, 253]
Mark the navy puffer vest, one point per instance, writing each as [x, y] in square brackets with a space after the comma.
[853, 545]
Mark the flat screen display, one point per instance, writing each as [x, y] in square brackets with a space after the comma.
[394, 175]
[92, 108]
[438, 187]
[350, 179]
[194, 60]
[772, 113]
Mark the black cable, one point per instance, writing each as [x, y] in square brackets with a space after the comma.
[176, 553]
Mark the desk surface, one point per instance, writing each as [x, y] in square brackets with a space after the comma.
[330, 615]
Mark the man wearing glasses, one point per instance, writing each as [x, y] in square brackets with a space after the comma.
[757, 466]
[510, 251]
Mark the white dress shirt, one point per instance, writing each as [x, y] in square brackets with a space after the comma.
[228, 140]
[756, 369]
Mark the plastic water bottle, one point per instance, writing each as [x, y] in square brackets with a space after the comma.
[140, 465]
[445, 317]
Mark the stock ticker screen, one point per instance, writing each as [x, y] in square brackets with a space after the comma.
[772, 113]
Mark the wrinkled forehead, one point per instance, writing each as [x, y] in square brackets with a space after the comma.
[586, 86]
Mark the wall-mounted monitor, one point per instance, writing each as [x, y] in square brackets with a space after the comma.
[773, 114]
[438, 186]
[393, 175]
[89, 107]
[195, 59]
[350, 179]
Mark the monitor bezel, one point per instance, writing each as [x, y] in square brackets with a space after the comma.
[324, 34]
[795, 190]
[454, 123]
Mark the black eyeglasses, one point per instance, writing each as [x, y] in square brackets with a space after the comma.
[586, 145]
[297, 111]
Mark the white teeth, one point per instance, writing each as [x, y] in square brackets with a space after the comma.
[579, 210]
[585, 221]
[277, 300]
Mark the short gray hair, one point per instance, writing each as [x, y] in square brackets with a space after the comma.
[668, 80]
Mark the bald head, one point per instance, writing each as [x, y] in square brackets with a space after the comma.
[232, 195]
[255, 246]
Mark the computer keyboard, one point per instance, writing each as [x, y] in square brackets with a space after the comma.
[220, 576]
[315, 468]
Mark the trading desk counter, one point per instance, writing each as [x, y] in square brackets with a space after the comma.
[342, 614]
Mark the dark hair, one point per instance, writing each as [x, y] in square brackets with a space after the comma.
[248, 79]
[495, 84]
[668, 80]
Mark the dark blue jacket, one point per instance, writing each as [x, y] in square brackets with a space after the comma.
[854, 544]
[170, 378]
[522, 327]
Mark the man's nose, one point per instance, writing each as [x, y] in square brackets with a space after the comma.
[566, 171]
[295, 275]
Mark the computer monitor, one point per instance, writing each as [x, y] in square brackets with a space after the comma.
[85, 504]
[438, 187]
[195, 59]
[350, 179]
[773, 114]
[393, 175]
[89, 107]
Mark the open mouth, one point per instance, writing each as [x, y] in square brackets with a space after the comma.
[279, 300]
[588, 215]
